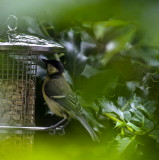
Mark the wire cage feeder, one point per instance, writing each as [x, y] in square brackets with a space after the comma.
[18, 67]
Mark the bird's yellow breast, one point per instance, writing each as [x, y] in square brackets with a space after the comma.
[54, 107]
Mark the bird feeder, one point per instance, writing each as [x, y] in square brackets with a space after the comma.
[18, 67]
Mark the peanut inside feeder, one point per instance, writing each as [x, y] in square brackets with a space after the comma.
[17, 88]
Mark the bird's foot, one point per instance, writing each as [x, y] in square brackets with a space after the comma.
[61, 130]
[59, 127]
[57, 130]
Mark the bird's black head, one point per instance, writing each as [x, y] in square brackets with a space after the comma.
[54, 67]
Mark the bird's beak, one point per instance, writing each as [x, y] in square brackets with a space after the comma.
[44, 60]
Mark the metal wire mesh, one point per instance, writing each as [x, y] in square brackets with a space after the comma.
[17, 87]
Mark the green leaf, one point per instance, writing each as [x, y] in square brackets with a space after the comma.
[89, 71]
[118, 124]
[127, 115]
[155, 135]
[126, 144]
[102, 84]
[133, 126]
[109, 107]
[113, 117]
[118, 44]
[75, 58]
[132, 85]
[30, 25]
[104, 27]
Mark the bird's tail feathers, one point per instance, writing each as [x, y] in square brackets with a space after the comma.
[89, 129]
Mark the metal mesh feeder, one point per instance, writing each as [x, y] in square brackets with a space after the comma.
[17, 86]
[18, 67]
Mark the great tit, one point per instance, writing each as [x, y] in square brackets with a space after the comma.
[60, 98]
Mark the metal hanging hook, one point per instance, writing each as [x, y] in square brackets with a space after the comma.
[12, 23]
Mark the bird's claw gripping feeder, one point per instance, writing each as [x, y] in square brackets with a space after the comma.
[18, 67]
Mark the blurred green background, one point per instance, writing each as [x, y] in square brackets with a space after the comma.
[112, 64]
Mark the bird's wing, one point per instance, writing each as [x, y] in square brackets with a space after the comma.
[60, 91]
[70, 103]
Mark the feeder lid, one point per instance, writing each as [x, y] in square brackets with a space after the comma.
[29, 42]
[13, 41]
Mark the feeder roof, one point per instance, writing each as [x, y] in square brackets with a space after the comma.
[30, 42]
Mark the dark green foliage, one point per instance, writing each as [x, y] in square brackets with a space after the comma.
[112, 64]
[119, 84]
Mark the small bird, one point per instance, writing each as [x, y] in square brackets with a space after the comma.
[60, 98]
